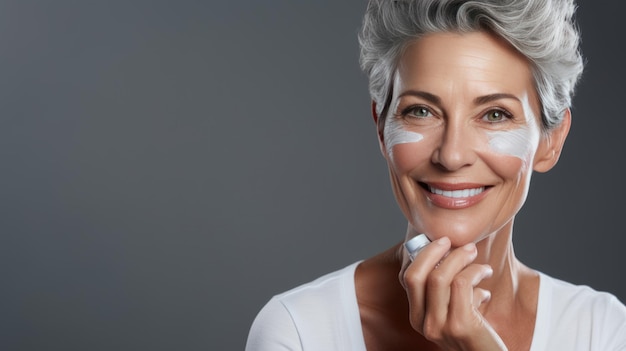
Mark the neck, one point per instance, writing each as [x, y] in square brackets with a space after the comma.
[509, 273]
[505, 285]
[510, 311]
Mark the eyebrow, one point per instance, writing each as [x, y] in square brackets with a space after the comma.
[426, 96]
[492, 97]
[478, 101]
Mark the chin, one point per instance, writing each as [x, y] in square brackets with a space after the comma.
[460, 232]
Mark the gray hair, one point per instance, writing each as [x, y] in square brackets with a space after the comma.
[543, 31]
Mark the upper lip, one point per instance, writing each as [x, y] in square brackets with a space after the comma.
[453, 186]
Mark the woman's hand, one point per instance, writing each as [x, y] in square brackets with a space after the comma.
[444, 298]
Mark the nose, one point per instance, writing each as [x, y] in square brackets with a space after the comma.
[456, 148]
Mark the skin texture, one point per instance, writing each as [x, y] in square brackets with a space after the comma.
[466, 290]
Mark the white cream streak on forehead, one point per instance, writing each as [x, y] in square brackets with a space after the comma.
[394, 132]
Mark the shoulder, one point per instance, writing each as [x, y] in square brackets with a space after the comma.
[597, 318]
[581, 297]
[317, 312]
[273, 329]
[323, 290]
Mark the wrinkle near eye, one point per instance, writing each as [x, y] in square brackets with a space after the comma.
[394, 132]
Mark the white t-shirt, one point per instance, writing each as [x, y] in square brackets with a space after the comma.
[324, 315]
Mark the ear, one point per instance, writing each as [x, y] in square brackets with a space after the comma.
[379, 128]
[551, 144]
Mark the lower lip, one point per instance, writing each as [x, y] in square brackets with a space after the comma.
[454, 203]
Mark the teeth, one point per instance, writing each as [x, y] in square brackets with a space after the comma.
[457, 193]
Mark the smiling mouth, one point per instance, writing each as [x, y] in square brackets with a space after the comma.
[455, 194]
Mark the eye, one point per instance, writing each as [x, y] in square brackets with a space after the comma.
[495, 116]
[417, 112]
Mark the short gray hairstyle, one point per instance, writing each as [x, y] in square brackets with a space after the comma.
[544, 31]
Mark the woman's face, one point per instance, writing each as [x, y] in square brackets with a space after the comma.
[462, 135]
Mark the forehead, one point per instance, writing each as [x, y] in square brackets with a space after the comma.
[477, 61]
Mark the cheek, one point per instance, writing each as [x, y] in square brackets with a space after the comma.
[509, 153]
[507, 167]
[395, 134]
[406, 149]
[408, 156]
[519, 143]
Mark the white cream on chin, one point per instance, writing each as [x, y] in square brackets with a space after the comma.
[395, 132]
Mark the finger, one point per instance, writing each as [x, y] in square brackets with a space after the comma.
[438, 290]
[416, 274]
[465, 297]
[410, 249]
[415, 245]
[429, 257]
[480, 296]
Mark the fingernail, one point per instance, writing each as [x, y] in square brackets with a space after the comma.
[443, 241]
[469, 247]
[488, 271]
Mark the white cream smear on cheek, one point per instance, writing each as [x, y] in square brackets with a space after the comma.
[514, 142]
[395, 132]
[517, 142]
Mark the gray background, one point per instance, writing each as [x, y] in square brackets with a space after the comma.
[168, 166]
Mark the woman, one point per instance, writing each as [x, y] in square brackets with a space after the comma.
[469, 98]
